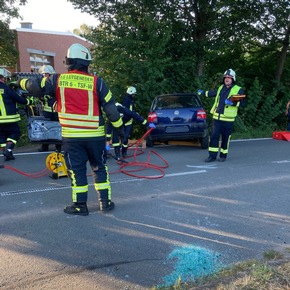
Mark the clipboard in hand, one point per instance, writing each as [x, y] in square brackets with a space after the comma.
[237, 98]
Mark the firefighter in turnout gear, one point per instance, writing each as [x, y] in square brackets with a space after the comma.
[48, 102]
[128, 102]
[224, 111]
[81, 98]
[9, 117]
[126, 115]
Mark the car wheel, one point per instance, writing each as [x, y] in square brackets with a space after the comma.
[204, 142]
[149, 143]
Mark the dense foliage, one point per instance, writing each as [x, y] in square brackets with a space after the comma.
[179, 46]
[8, 52]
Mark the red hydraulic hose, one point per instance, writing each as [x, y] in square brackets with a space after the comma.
[137, 166]
[39, 174]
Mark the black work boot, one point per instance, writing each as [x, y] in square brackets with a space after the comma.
[77, 209]
[106, 206]
[210, 159]
[7, 151]
[124, 151]
[57, 147]
[8, 155]
[43, 148]
[117, 153]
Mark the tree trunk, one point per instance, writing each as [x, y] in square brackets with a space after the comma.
[283, 54]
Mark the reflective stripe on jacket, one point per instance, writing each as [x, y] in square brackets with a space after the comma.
[230, 112]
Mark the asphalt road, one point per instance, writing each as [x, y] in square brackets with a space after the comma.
[195, 218]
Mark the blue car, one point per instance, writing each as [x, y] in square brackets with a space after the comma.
[178, 117]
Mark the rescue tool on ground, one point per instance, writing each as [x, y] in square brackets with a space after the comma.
[55, 162]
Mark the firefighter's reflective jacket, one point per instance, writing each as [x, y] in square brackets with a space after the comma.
[221, 111]
[8, 107]
[129, 103]
[80, 97]
[47, 100]
[128, 114]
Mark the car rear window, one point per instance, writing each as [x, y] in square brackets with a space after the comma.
[174, 102]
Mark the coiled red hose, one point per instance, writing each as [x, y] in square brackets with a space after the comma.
[130, 168]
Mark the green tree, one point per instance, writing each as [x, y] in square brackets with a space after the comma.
[8, 53]
[189, 22]
[254, 28]
[83, 30]
[169, 46]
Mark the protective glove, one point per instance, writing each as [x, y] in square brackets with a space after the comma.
[46, 98]
[121, 133]
[108, 147]
[228, 102]
[151, 125]
[201, 93]
[30, 101]
[13, 86]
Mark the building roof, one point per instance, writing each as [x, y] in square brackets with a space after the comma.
[31, 30]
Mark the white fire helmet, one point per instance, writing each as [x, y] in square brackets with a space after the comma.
[4, 72]
[46, 69]
[79, 51]
[131, 91]
[230, 73]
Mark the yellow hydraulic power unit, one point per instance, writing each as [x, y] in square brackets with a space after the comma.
[55, 162]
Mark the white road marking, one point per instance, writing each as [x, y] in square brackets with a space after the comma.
[34, 190]
[185, 173]
[210, 166]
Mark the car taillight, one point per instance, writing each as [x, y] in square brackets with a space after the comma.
[152, 117]
[201, 114]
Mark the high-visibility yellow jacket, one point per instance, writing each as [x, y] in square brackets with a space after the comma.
[228, 113]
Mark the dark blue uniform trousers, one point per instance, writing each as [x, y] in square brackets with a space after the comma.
[77, 153]
[224, 130]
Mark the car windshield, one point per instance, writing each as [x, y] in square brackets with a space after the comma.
[175, 101]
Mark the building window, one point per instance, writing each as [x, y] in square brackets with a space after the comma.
[39, 58]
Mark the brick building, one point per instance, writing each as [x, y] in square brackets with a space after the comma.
[39, 47]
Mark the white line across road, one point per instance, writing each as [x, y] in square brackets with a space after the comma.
[52, 188]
